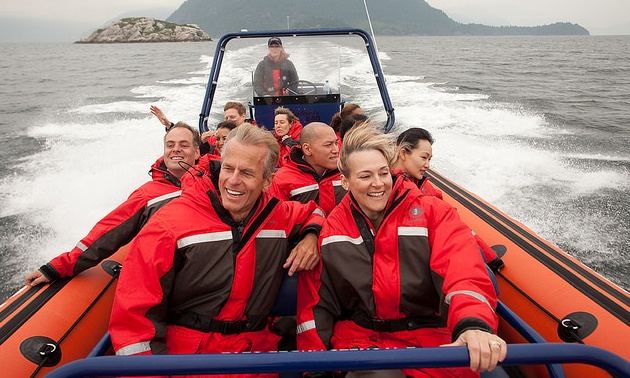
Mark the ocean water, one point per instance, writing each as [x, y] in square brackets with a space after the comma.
[538, 126]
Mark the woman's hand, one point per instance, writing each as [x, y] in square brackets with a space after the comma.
[485, 349]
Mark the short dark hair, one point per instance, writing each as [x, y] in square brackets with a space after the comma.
[240, 108]
[338, 117]
[349, 122]
[226, 125]
[196, 138]
[408, 139]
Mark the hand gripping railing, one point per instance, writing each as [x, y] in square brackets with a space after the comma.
[270, 362]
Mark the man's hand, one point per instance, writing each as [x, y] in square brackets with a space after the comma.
[35, 278]
[485, 349]
[304, 256]
[159, 114]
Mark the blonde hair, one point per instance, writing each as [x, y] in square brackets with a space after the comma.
[251, 135]
[365, 137]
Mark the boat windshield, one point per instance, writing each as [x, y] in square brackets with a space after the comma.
[296, 68]
[323, 71]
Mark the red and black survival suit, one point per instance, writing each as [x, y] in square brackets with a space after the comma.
[417, 281]
[490, 256]
[196, 281]
[272, 77]
[118, 227]
[298, 181]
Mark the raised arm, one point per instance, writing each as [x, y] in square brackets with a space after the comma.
[159, 114]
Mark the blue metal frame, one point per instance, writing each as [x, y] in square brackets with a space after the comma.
[529, 333]
[220, 52]
[269, 362]
[285, 306]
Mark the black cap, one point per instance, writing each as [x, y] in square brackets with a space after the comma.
[274, 41]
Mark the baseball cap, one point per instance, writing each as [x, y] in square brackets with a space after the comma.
[274, 41]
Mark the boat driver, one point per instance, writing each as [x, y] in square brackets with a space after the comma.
[275, 75]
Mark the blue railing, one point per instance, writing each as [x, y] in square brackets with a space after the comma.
[538, 352]
[283, 362]
[286, 304]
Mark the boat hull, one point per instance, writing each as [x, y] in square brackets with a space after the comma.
[557, 295]
[44, 327]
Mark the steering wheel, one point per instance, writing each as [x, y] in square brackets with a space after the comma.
[300, 85]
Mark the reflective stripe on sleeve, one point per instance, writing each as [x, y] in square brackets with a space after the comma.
[81, 246]
[132, 349]
[320, 212]
[413, 231]
[164, 197]
[304, 189]
[303, 327]
[473, 294]
[272, 234]
[204, 238]
[342, 238]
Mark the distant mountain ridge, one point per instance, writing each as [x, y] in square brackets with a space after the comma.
[390, 17]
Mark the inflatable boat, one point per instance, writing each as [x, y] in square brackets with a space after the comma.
[46, 326]
[559, 317]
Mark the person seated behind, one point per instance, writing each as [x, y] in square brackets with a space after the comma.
[220, 136]
[233, 111]
[116, 229]
[204, 273]
[398, 269]
[415, 150]
[413, 159]
[236, 112]
[349, 122]
[286, 129]
[347, 110]
[310, 172]
[275, 74]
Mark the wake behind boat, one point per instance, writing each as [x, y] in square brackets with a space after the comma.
[555, 312]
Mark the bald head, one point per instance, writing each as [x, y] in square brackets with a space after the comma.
[311, 131]
[320, 146]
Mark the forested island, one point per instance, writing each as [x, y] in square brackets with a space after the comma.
[144, 29]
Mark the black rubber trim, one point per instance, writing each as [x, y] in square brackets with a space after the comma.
[23, 298]
[535, 248]
[25, 314]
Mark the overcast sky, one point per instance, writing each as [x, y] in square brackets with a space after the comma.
[597, 16]
[73, 19]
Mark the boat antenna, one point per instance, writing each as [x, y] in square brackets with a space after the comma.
[367, 12]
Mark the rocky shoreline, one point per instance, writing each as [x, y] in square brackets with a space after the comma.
[144, 29]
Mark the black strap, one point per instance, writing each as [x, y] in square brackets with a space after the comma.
[364, 228]
[204, 323]
[166, 175]
[394, 325]
[253, 228]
